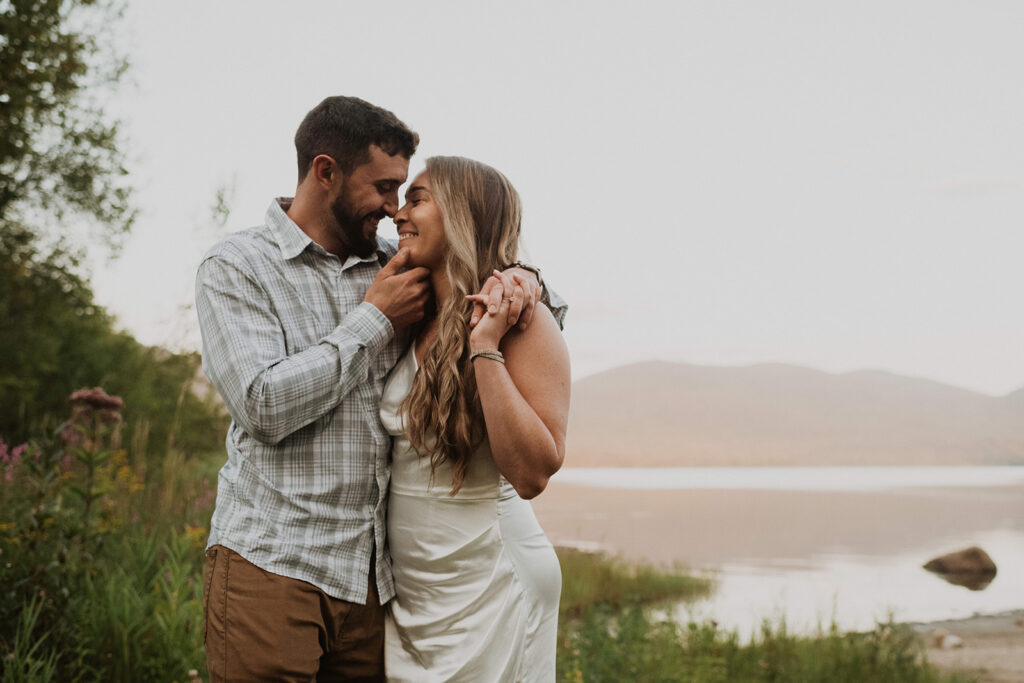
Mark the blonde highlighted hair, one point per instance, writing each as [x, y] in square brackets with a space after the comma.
[482, 216]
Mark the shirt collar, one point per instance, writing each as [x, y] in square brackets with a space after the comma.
[292, 241]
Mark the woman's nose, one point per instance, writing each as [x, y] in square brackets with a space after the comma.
[400, 216]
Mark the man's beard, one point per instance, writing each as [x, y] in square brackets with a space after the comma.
[351, 229]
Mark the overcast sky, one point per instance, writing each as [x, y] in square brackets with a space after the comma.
[840, 187]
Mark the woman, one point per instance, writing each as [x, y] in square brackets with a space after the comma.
[478, 419]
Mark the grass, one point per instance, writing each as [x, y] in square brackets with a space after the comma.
[111, 591]
[591, 579]
[608, 632]
[628, 645]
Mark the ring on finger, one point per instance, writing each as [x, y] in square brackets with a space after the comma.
[510, 299]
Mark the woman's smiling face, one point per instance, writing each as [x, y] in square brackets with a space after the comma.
[421, 225]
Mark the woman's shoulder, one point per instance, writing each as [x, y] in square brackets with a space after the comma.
[541, 338]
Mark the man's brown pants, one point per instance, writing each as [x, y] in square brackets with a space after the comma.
[266, 627]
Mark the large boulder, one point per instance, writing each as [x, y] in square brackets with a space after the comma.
[971, 568]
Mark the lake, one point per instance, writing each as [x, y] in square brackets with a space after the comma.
[807, 544]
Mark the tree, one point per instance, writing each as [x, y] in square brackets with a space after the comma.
[61, 161]
[61, 156]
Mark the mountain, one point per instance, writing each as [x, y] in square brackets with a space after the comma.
[670, 414]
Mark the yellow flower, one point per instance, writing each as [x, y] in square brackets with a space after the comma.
[197, 534]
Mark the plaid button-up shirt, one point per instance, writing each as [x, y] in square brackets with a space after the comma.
[300, 360]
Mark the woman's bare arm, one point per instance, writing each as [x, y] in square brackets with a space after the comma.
[526, 400]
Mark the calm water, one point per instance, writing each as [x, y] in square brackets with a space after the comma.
[791, 478]
[858, 591]
[857, 566]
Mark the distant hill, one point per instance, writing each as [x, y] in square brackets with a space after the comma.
[670, 414]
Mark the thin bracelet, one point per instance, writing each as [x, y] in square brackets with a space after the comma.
[493, 354]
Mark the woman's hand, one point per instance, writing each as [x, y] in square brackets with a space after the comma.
[497, 321]
[494, 290]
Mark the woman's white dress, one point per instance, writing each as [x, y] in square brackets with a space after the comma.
[477, 581]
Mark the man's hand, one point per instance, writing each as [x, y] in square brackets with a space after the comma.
[516, 283]
[400, 296]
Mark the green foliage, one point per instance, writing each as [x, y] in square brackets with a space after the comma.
[32, 657]
[61, 165]
[58, 340]
[61, 157]
[589, 579]
[627, 645]
[606, 633]
[101, 561]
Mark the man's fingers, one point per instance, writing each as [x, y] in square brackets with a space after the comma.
[397, 262]
[515, 308]
[417, 273]
[530, 295]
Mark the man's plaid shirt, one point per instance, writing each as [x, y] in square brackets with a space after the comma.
[300, 361]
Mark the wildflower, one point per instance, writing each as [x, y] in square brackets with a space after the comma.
[97, 398]
[197, 534]
[91, 408]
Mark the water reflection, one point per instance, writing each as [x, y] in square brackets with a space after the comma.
[975, 582]
[856, 592]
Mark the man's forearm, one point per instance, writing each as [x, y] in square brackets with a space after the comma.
[269, 393]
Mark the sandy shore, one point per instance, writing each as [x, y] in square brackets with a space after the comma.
[993, 646]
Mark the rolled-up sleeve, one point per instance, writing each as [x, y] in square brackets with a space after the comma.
[558, 307]
[269, 393]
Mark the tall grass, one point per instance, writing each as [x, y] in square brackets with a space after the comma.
[628, 645]
[101, 580]
[591, 579]
[100, 561]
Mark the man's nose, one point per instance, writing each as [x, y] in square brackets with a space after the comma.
[391, 205]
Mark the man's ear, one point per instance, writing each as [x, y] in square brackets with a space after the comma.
[325, 171]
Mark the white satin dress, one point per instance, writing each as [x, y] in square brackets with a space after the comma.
[477, 582]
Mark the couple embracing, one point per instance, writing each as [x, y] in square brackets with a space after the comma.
[393, 406]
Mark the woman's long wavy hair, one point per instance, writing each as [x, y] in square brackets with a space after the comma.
[482, 215]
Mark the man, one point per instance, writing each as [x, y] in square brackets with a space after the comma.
[302, 318]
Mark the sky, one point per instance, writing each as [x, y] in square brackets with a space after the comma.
[833, 185]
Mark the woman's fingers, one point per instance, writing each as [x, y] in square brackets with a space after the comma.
[494, 288]
[479, 302]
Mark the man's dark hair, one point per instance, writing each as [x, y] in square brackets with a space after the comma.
[344, 128]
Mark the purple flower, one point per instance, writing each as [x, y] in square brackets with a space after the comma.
[97, 398]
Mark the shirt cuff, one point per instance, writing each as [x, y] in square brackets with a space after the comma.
[366, 324]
